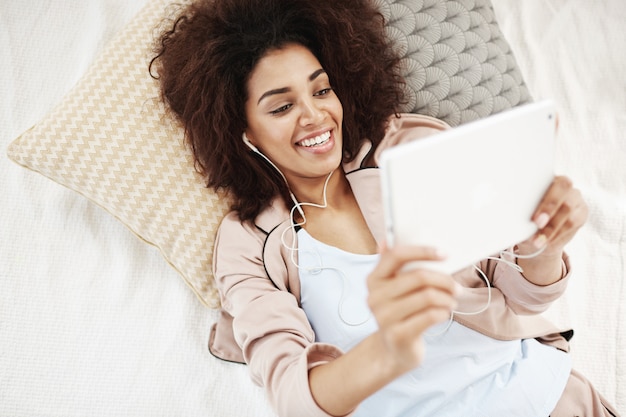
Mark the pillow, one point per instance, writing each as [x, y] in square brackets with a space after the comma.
[111, 140]
[457, 65]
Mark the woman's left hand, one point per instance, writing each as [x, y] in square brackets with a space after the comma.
[560, 214]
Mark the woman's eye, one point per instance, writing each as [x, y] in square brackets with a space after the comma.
[323, 91]
[281, 109]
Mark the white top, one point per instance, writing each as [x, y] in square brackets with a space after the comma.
[464, 373]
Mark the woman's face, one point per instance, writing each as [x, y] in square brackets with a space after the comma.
[294, 117]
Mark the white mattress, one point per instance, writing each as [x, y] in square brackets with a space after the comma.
[95, 322]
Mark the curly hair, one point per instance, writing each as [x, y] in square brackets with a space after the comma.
[204, 59]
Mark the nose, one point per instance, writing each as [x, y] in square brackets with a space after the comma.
[312, 112]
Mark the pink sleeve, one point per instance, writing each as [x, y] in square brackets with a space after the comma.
[409, 127]
[523, 296]
[269, 326]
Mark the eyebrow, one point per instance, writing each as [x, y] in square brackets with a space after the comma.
[283, 90]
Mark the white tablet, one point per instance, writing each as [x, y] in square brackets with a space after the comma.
[470, 190]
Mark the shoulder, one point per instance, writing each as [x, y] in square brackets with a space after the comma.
[401, 128]
[245, 249]
[263, 224]
[237, 236]
[407, 127]
[233, 228]
[404, 121]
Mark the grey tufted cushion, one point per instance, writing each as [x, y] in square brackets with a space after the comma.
[457, 65]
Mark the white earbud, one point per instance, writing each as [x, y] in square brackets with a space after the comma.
[248, 143]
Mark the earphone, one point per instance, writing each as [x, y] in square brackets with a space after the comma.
[293, 224]
[293, 249]
[292, 228]
[249, 144]
[484, 278]
[319, 267]
[256, 150]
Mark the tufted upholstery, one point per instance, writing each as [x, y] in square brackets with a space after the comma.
[457, 65]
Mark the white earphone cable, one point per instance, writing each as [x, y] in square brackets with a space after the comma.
[293, 249]
[488, 284]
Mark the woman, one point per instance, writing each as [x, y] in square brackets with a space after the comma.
[286, 105]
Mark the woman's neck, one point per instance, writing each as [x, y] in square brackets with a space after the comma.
[327, 191]
[338, 221]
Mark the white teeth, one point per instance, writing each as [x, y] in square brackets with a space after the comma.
[316, 140]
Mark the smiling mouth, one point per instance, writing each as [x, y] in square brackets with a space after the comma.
[316, 141]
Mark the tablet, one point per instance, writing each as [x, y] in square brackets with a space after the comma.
[470, 191]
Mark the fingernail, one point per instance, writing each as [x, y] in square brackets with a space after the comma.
[542, 220]
[540, 241]
[458, 288]
[440, 254]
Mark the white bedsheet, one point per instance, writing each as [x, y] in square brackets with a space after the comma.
[94, 322]
[573, 51]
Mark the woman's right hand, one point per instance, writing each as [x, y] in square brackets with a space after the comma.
[405, 302]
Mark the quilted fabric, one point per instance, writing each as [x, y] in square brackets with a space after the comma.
[456, 63]
[111, 140]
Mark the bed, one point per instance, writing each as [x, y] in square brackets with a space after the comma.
[94, 321]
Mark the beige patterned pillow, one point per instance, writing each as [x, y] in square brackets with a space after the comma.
[111, 140]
